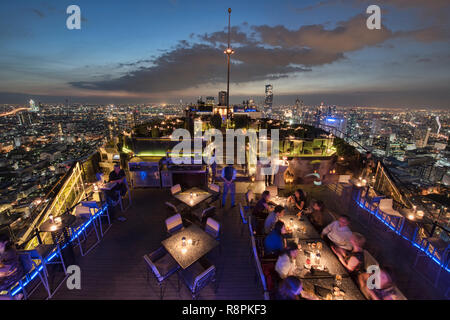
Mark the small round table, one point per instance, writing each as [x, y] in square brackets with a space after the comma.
[54, 228]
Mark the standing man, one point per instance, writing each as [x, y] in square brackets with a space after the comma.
[268, 176]
[228, 177]
[213, 166]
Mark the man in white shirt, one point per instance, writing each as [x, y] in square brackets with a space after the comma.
[286, 263]
[339, 233]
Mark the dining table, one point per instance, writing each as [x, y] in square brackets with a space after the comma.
[332, 289]
[57, 226]
[299, 228]
[189, 245]
[309, 265]
[193, 196]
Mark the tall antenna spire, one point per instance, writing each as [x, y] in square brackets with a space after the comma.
[228, 52]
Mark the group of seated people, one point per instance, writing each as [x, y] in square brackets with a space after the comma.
[347, 245]
[10, 267]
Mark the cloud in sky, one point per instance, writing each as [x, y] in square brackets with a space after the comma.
[262, 53]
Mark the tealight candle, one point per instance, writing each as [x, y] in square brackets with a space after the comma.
[183, 251]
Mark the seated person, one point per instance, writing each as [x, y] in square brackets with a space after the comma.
[262, 207]
[298, 200]
[338, 234]
[274, 241]
[291, 288]
[353, 260]
[316, 216]
[386, 289]
[10, 267]
[286, 263]
[117, 176]
[272, 218]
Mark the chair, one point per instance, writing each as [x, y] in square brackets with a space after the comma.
[119, 200]
[172, 209]
[23, 285]
[207, 213]
[198, 276]
[174, 224]
[162, 266]
[175, 189]
[99, 213]
[250, 199]
[46, 253]
[273, 190]
[212, 228]
[259, 275]
[215, 189]
[386, 205]
[86, 216]
[243, 219]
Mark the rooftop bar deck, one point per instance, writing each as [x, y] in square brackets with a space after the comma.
[115, 268]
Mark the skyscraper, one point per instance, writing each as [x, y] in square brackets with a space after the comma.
[269, 99]
[210, 101]
[425, 142]
[298, 117]
[33, 106]
[222, 98]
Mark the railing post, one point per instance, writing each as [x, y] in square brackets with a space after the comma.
[38, 236]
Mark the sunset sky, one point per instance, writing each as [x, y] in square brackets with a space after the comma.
[164, 51]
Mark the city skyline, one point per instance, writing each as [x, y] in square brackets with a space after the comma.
[318, 50]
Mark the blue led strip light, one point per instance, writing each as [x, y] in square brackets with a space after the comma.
[398, 232]
[30, 276]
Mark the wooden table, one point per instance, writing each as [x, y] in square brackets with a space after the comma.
[62, 227]
[108, 186]
[328, 259]
[302, 229]
[198, 244]
[198, 196]
[347, 286]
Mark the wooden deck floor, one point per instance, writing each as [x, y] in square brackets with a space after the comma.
[115, 269]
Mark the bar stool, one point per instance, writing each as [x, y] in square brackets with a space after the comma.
[45, 254]
[86, 217]
[99, 214]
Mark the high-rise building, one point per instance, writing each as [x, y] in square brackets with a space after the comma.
[298, 117]
[352, 123]
[24, 118]
[222, 98]
[425, 142]
[210, 101]
[268, 102]
[33, 106]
